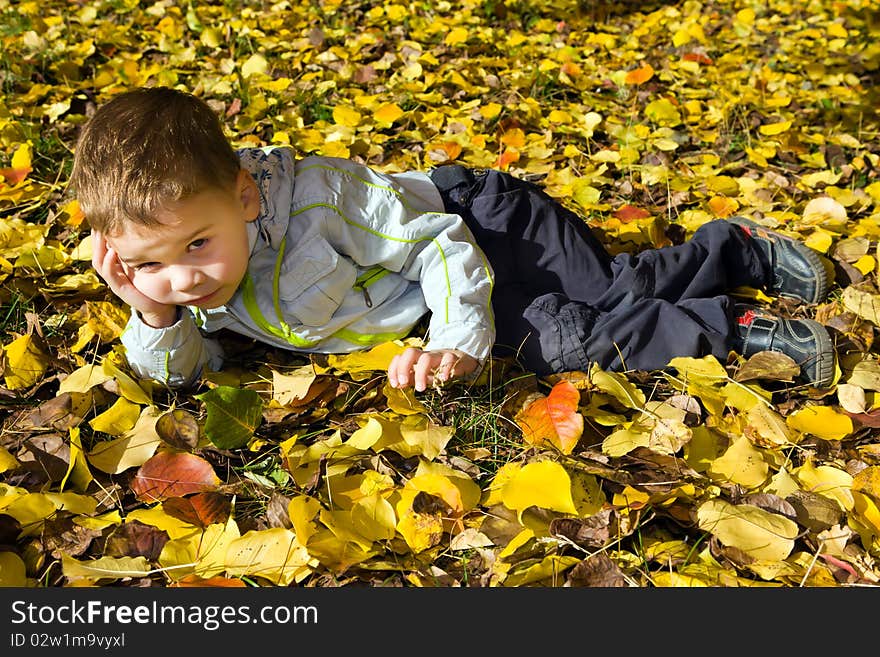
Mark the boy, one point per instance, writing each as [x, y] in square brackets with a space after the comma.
[326, 255]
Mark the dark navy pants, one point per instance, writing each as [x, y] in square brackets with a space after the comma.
[562, 302]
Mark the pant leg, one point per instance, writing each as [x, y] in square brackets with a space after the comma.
[717, 259]
[534, 243]
[561, 302]
[647, 334]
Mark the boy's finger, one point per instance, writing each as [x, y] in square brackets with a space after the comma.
[401, 368]
[423, 369]
[446, 370]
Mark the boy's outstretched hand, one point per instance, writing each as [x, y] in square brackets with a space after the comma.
[108, 266]
[421, 369]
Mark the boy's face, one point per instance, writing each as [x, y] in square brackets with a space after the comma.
[199, 253]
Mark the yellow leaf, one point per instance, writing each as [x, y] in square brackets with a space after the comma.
[819, 240]
[156, 517]
[117, 419]
[373, 517]
[618, 386]
[12, 570]
[126, 386]
[84, 379]
[287, 388]
[377, 358]
[21, 158]
[202, 553]
[132, 449]
[663, 112]
[627, 438]
[828, 481]
[760, 534]
[770, 129]
[78, 467]
[867, 482]
[388, 113]
[456, 36]
[272, 554]
[550, 567]
[104, 568]
[722, 206]
[741, 464]
[544, 484]
[302, 511]
[431, 439]
[421, 531]
[767, 428]
[821, 421]
[25, 363]
[866, 264]
[31, 509]
[346, 115]
[490, 110]
[707, 368]
[254, 65]
[7, 460]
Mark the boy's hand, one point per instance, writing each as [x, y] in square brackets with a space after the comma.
[425, 368]
[108, 266]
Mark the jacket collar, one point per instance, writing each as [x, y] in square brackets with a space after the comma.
[272, 171]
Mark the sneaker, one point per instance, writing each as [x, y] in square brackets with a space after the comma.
[806, 341]
[797, 271]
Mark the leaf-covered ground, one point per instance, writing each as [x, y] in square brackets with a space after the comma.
[649, 119]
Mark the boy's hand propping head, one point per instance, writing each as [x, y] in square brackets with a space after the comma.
[415, 367]
[107, 264]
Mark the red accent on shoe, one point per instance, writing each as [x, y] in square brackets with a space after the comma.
[746, 318]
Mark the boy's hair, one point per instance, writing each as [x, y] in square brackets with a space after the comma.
[147, 148]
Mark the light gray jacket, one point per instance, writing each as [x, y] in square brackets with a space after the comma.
[342, 258]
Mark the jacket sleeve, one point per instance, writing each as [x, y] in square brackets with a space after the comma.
[394, 222]
[175, 355]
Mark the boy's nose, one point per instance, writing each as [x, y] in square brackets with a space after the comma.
[183, 278]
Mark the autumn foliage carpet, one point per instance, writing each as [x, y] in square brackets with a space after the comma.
[648, 119]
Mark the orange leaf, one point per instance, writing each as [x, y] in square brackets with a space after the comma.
[201, 509]
[446, 150]
[192, 580]
[697, 57]
[723, 206]
[508, 157]
[640, 75]
[173, 474]
[15, 176]
[570, 69]
[554, 418]
[514, 137]
[627, 213]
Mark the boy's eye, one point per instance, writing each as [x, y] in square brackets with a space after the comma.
[145, 266]
[197, 244]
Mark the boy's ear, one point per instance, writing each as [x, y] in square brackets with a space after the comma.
[249, 195]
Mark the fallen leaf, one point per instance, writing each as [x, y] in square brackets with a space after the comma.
[173, 474]
[553, 419]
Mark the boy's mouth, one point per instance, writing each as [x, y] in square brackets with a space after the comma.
[202, 300]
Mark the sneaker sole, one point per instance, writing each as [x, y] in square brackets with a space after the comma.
[811, 256]
[825, 358]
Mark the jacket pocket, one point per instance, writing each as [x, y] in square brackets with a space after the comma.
[314, 280]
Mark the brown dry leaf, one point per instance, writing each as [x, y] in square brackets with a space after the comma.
[179, 429]
[173, 474]
[200, 509]
[768, 365]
